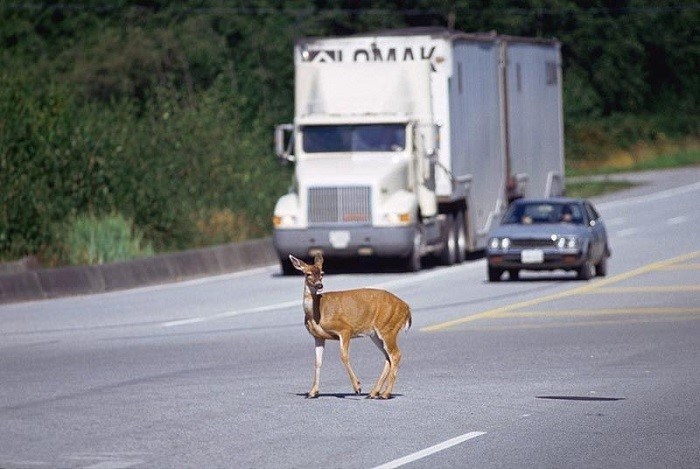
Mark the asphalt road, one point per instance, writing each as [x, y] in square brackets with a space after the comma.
[546, 372]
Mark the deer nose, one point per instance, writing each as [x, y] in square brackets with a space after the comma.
[319, 286]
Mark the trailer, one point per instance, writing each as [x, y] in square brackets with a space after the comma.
[412, 142]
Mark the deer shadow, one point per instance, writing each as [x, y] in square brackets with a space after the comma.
[346, 395]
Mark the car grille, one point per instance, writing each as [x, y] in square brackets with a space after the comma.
[532, 243]
[345, 205]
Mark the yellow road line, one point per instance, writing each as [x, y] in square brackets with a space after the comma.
[564, 294]
[693, 266]
[596, 312]
[561, 325]
[649, 289]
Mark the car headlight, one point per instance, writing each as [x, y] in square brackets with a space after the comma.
[499, 243]
[568, 242]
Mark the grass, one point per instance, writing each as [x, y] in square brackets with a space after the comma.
[595, 187]
[98, 240]
[681, 158]
[587, 189]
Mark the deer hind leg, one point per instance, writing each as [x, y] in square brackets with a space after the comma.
[345, 358]
[391, 349]
[387, 365]
[320, 344]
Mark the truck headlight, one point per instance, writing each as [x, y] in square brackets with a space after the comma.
[284, 221]
[403, 218]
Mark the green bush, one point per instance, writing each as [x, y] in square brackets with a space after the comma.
[88, 239]
[163, 111]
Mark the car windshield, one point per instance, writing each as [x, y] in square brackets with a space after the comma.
[543, 212]
[343, 138]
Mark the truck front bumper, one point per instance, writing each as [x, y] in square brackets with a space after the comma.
[345, 242]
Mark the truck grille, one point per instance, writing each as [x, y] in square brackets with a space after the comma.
[345, 205]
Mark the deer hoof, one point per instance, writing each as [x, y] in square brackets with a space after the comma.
[312, 395]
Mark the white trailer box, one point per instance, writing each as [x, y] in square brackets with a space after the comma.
[411, 142]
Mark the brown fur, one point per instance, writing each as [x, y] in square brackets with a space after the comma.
[344, 315]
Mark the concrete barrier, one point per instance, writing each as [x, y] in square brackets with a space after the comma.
[37, 284]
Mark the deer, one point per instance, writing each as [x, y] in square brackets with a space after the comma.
[347, 314]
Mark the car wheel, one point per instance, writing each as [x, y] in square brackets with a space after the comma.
[585, 272]
[513, 274]
[494, 274]
[601, 268]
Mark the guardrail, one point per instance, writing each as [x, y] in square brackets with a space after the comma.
[37, 284]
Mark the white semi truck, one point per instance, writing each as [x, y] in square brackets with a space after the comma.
[412, 142]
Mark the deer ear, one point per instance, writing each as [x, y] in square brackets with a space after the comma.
[318, 260]
[299, 265]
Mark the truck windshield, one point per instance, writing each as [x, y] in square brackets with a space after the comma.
[342, 138]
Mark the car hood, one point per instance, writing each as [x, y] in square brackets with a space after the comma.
[539, 231]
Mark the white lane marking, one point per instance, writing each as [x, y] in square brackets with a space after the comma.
[428, 451]
[418, 278]
[649, 197]
[626, 232]
[677, 220]
[228, 314]
[616, 221]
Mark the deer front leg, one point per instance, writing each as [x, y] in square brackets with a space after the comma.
[345, 358]
[320, 344]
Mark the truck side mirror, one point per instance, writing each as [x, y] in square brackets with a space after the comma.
[284, 142]
[433, 150]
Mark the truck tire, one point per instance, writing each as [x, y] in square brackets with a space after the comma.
[412, 263]
[461, 237]
[448, 254]
[286, 267]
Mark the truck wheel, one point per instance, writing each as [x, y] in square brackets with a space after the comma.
[494, 274]
[461, 237]
[448, 254]
[286, 267]
[413, 262]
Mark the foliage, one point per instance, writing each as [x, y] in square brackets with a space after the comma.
[163, 111]
[87, 239]
[588, 189]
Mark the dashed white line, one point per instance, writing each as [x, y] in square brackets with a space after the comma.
[616, 221]
[654, 196]
[288, 304]
[627, 232]
[428, 451]
[677, 220]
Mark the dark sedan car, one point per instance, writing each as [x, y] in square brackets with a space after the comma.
[549, 234]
